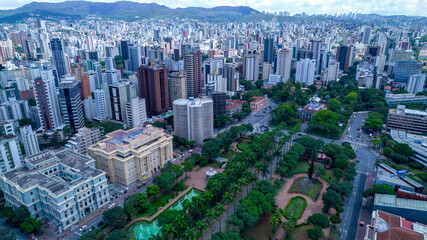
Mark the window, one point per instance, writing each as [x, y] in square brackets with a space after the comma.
[31, 193]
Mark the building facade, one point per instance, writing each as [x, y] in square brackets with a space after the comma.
[193, 73]
[84, 137]
[71, 103]
[219, 103]
[135, 154]
[136, 113]
[61, 187]
[305, 71]
[412, 121]
[29, 139]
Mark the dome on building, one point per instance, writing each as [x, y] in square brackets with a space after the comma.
[382, 225]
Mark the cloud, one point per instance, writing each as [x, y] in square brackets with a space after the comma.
[385, 7]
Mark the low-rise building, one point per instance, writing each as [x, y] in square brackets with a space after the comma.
[135, 154]
[259, 103]
[84, 137]
[306, 113]
[396, 179]
[410, 120]
[418, 143]
[233, 106]
[386, 226]
[395, 99]
[61, 187]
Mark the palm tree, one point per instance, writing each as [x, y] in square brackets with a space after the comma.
[181, 223]
[276, 218]
[169, 230]
[228, 198]
[219, 209]
[189, 234]
[200, 227]
[211, 215]
[207, 195]
[235, 189]
[290, 225]
[157, 236]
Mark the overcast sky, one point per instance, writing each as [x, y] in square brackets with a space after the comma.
[384, 7]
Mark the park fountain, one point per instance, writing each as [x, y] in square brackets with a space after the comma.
[306, 184]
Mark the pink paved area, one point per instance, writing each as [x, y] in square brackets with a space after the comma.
[198, 179]
[284, 196]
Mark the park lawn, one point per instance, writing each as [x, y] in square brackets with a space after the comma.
[301, 168]
[313, 192]
[229, 154]
[243, 144]
[299, 233]
[295, 207]
[262, 230]
[329, 176]
[212, 164]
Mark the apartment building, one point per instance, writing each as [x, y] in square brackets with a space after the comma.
[135, 154]
[84, 137]
[61, 187]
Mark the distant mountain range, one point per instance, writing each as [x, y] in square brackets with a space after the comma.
[127, 10]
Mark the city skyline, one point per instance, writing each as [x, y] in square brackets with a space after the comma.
[387, 7]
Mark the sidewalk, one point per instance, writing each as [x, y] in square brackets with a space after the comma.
[365, 212]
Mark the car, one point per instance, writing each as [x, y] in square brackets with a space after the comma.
[83, 228]
[100, 223]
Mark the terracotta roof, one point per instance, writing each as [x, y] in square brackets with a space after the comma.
[395, 231]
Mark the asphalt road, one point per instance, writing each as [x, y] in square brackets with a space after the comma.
[350, 216]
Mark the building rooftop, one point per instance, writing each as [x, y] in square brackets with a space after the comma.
[393, 201]
[75, 168]
[233, 104]
[389, 174]
[418, 143]
[397, 227]
[258, 99]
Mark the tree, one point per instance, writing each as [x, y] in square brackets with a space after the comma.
[187, 166]
[319, 220]
[203, 160]
[117, 234]
[32, 102]
[374, 121]
[211, 148]
[335, 219]
[314, 233]
[152, 191]
[382, 189]
[284, 113]
[28, 121]
[351, 98]
[334, 105]
[165, 181]
[325, 122]
[31, 225]
[141, 201]
[129, 208]
[115, 217]
[222, 120]
[330, 199]
[181, 148]
[21, 213]
[344, 187]
[226, 236]
[319, 170]
[342, 163]
[338, 172]
[311, 169]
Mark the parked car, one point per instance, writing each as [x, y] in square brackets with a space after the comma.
[100, 223]
[83, 228]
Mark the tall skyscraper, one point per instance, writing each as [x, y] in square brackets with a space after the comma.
[345, 56]
[305, 71]
[284, 61]
[177, 86]
[268, 50]
[153, 87]
[136, 113]
[47, 101]
[109, 63]
[58, 55]
[124, 49]
[315, 47]
[366, 35]
[134, 58]
[193, 73]
[10, 153]
[118, 98]
[404, 69]
[193, 119]
[101, 104]
[29, 139]
[219, 103]
[416, 83]
[251, 66]
[229, 74]
[71, 103]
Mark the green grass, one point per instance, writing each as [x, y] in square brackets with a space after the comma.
[262, 229]
[329, 176]
[243, 144]
[301, 168]
[179, 187]
[229, 154]
[313, 192]
[300, 233]
[212, 164]
[295, 207]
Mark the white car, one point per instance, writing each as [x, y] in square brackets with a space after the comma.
[83, 228]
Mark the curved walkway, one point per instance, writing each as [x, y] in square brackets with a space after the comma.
[284, 196]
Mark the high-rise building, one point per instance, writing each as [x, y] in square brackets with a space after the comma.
[284, 60]
[251, 66]
[10, 153]
[118, 98]
[29, 139]
[315, 47]
[134, 58]
[404, 69]
[305, 71]
[193, 119]
[14, 110]
[109, 63]
[84, 138]
[366, 35]
[85, 88]
[71, 103]
[153, 87]
[81, 189]
[345, 56]
[416, 83]
[136, 113]
[59, 59]
[268, 50]
[47, 101]
[193, 73]
[124, 49]
[113, 76]
[177, 86]
[101, 104]
[219, 103]
[135, 154]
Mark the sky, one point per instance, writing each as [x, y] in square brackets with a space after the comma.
[383, 7]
